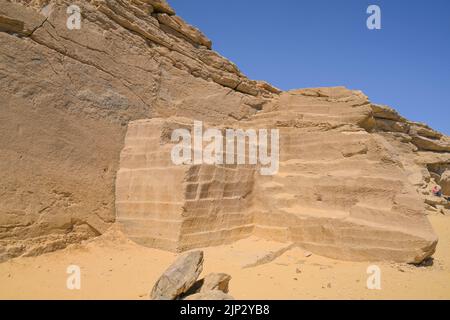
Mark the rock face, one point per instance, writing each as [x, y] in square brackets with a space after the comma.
[178, 207]
[212, 282]
[444, 181]
[85, 129]
[179, 277]
[340, 191]
[179, 281]
[423, 153]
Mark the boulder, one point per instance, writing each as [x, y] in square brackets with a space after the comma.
[444, 182]
[343, 189]
[177, 24]
[215, 281]
[179, 277]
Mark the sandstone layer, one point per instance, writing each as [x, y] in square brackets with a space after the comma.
[85, 120]
[68, 95]
[341, 190]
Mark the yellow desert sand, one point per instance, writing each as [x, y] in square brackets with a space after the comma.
[88, 176]
[114, 268]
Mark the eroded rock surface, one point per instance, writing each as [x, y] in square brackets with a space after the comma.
[444, 181]
[179, 277]
[85, 120]
[423, 153]
[215, 281]
[179, 281]
[68, 95]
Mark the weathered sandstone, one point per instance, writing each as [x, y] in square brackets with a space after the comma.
[67, 97]
[216, 281]
[444, 181]
[179, 277]
[86, 121]
[340, 191]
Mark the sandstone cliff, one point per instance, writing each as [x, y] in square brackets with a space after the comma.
[354, 177]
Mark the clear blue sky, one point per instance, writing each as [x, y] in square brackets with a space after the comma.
[297, 44]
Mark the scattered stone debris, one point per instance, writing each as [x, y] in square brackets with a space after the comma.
[180, 281]
[425, 263]
[179, 277]
[216, 281]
